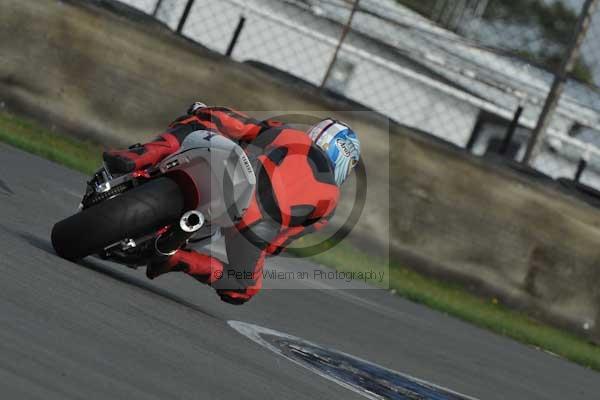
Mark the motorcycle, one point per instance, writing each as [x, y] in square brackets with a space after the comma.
[136, 217]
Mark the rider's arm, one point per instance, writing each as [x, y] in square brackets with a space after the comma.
[233, 124]
[287, 236]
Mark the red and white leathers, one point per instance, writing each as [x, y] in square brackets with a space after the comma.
[295, 194]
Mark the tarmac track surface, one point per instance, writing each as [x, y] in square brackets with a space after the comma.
[97, 330]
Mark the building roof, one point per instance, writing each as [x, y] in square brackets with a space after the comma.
[500, 79]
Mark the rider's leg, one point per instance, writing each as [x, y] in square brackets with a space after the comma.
[140, 156]
[203, 267]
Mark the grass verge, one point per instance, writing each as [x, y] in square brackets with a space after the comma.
[77, 154]
[443, 296]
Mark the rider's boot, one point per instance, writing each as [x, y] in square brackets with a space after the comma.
[140, 156]
[203, 267]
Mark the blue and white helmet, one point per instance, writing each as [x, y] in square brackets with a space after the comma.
[341, 145]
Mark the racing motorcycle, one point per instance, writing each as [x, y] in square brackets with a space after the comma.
[136, 217]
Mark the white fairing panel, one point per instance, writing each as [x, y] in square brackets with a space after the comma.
[221, 171]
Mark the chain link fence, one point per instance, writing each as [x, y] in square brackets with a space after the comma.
[476, 73]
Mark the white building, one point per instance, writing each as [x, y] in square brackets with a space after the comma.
[401, 64]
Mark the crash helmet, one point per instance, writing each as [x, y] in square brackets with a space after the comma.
[341, 145]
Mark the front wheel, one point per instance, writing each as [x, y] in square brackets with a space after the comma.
[132, 214]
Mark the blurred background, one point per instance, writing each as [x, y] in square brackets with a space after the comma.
[462, 70]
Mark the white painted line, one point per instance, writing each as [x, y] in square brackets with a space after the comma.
[255, 332]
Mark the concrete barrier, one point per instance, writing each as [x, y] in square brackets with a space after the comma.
[535, 247]
[119, 78]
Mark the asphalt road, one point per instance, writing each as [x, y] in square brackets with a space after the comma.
[96, 330]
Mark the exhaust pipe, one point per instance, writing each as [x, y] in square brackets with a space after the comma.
[189, 223]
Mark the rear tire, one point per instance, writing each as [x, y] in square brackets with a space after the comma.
[134, 213]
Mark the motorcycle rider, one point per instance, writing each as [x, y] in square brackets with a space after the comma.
[298, 178]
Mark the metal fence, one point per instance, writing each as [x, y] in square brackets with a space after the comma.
[518, 78]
